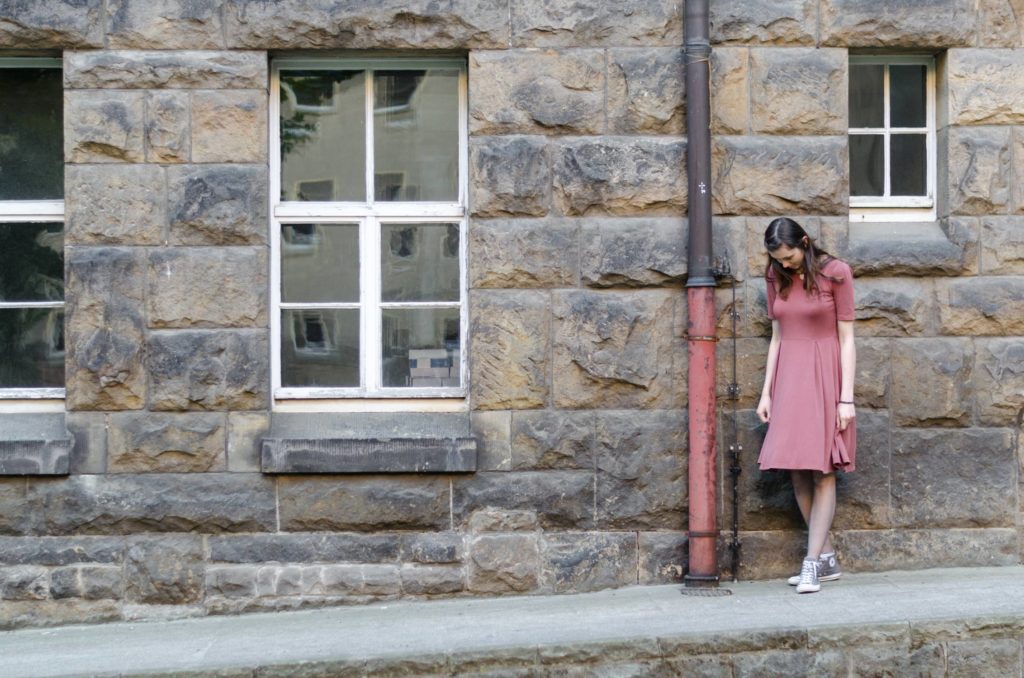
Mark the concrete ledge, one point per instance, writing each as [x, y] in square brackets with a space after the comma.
[404, 455]
[910, 248]
[34, 445]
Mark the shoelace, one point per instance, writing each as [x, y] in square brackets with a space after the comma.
[808, 571]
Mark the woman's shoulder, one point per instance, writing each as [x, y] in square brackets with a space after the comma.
[837, 268]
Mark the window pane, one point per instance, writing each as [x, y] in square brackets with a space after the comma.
[867, 164]
[421, 347]
[31, 262]
[907, 94]
[319, 263]
[320, 347]
[31, 348]
[909, 163]
[416, 135]
[867, 104]
[323, 139]
[31, 134]
[420, 262]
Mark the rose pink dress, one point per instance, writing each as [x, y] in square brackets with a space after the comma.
[802, 433]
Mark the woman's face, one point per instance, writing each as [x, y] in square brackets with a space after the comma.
[790, 257]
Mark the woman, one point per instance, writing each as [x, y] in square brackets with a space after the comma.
[807, 399]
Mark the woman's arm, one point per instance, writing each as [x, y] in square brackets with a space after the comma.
[848, 366]
[764, 408]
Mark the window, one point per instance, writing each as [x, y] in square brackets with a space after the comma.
[31, 229]
[368, 228]
[892, 138]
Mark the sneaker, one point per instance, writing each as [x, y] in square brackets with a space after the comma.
[828, 570]
[809, 577]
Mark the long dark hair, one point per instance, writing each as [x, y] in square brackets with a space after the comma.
[785, 231]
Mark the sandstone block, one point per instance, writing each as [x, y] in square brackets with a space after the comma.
[953, 478]
[536, 23]
[509, 350]
[510, 176]
[207, 287]
[788, 663]
[89, 450]
[231, 581]
[157, 502]
[547, 253]
[504, 563]
[428, 580]
[663, 558]
[876, 23]
[981, 306]
[549, 439]
[991, 657]
[772, 554]
[1017, 206]
[367, 24]
[999, 380]
[916, 249]
[613, 349]
[751, 358]
[103, 126]
[561, 499]
[880, 550]
[864, 495]
[89, 583]
[166, 570]
[167, 127]
[361, 580]
[167, 443]
[159, 69]
[24, 582]
[789, 22]
[986, 86]
[769, 176]
[115, 204]
[537, 92]
[20, 509]
[217, 205]
[765, 497]
[57, 551]
[620, 176]
[874, 372]
[979, 170]
[104, 329]
[1001, 19]
[646, 91]
[164, 24]
[229, 126]
[492, 432]
[304, 547]
[576, 562]
[891, 307]
[492, 519]
[363, 503]
[730, 81]
[641, 469]
[433, 548]
[60, 24]
[22, 614]
[931, 382]
[245, 429]
[799, 91]
[632, 252]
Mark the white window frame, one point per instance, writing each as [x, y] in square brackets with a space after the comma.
[370, 216]
[31, 211]
[900, 208]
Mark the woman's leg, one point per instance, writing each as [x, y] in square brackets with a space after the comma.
[803, 490]
[823, 509]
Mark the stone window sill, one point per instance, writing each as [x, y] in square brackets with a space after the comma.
[925, 248]
[34, 445]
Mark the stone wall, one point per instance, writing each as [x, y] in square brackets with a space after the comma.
[577, 308]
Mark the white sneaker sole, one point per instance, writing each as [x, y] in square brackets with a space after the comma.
[808, 588]
[795, 579]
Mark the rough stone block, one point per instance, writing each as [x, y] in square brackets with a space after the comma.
[751, 358]
[641, 23]
[982, 306]
[546, 253]
[788, 663]
[999, 380]
[876, 23]
[245, 429]
[102, 126]
[367, 24]
[156, 502]
[167, 127]
[986, 86]
[799, 91]
[428, 580]
[931, 382]
[433, 548]
[662, 557]
[730, 81]
[893, 307]
[863, 496]
[774, 22]
[89, 450]
[357, 580]
[134, 69]
[551, 439]
[916, 249]
[773, 554]
[979, 170]
[620, 176]
[994, 657]
[769, 176]
[632, 252]
[147, 442]
[104, 328]
[89, 583]
[229, 126]
[612, 350]
[510, 176]
[1017, 206]
[509, 344]
[115, 204]
[641, 469]
[874, 372]
[504, 563]
[953, 478]
[217, 205]
[646, 91]
[537, 92]
[880, 550]
[166, 570]
[21, 614]
[42, 24]
[492, 432]
[765, 497]
[1002, 246]
[308, 547]
[578, 562]
[503, 520]
[24, 582]
[1001, 19]
[20, 509]
[233, 581]
[164, 24]
[363, 503]
[561, 499]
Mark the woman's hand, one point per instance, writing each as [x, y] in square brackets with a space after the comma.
[845, 413]
[764, 409]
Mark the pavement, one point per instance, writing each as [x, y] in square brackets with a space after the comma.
[395, 631]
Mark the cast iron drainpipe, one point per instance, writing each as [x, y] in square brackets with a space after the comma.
[700, 292]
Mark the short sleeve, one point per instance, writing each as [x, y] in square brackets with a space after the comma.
[842, 290]
[769, 286]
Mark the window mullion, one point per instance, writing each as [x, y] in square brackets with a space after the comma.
[370, 295]
[370, 159]
[886, 157]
